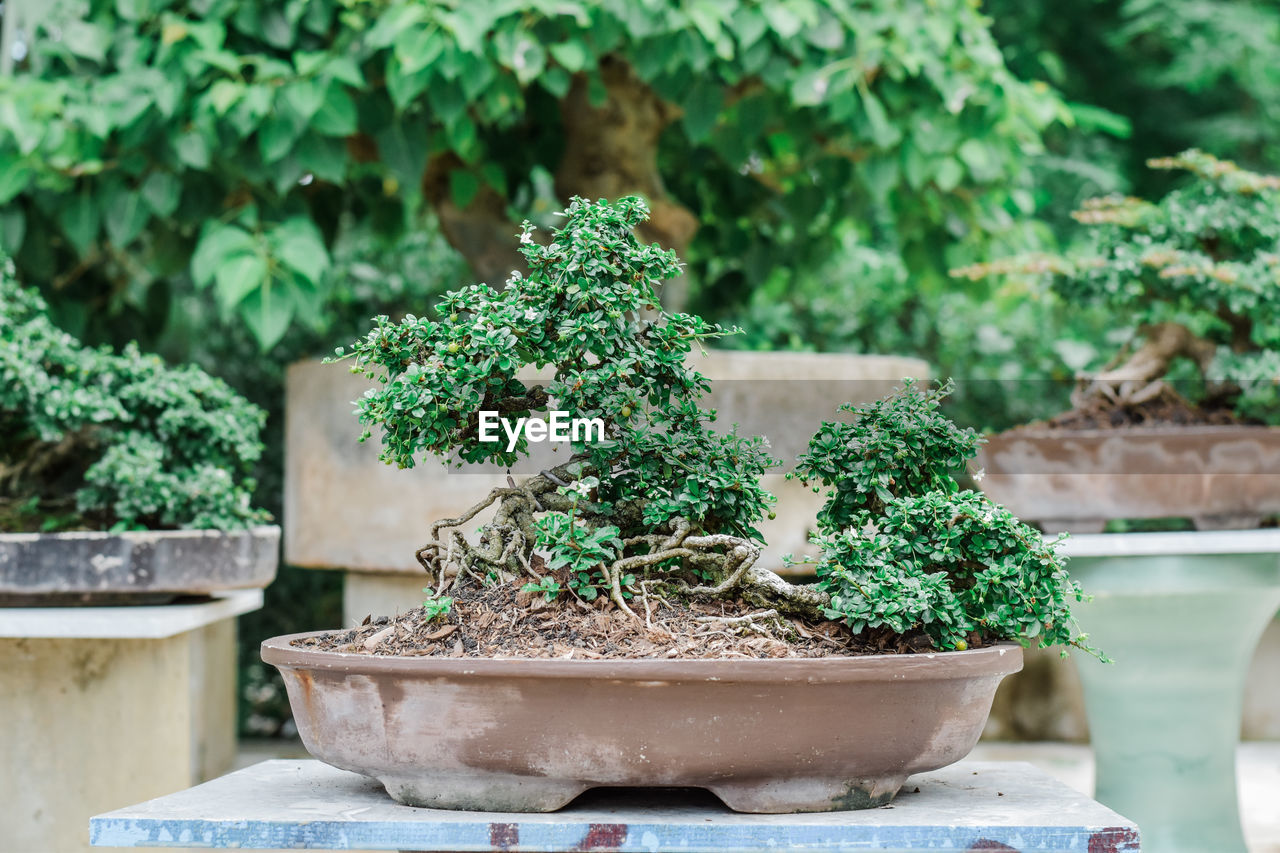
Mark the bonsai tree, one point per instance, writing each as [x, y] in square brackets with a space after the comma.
[660, 506]
[1196, 274]
[905, 550]
[93, 439]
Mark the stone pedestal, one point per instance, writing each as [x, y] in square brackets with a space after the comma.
[1181, 614]
[973, 805]
[102, 707]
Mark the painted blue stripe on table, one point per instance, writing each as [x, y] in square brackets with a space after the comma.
[304, 804]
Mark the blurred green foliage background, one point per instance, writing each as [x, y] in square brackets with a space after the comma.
[243, 183]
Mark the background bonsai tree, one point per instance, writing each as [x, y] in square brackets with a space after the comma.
[905, 551]
[94, 439]
[664, 500]
[1196, 273]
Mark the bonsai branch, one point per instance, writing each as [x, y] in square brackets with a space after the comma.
[1138, 378]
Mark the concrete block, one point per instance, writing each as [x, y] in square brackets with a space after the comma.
[95, 719]
[133, 567]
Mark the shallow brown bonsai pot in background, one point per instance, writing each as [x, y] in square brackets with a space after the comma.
[1218, 476]
[133, 567]
[766, 736]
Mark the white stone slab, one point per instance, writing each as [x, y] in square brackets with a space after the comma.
[1266, 541]
[973, 805]
[142, 622]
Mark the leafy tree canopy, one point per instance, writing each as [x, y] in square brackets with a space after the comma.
[147, 145]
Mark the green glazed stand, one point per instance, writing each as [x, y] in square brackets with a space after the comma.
[1180, 613]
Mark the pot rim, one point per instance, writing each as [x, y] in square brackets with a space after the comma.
[260, 530]
[1029, 431]
[1000, 658]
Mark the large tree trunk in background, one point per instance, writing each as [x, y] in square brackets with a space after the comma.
[612, 151]
[481, 231]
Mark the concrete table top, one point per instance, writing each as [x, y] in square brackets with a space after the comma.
[973, 805]
[1265, 541]
[136, 622]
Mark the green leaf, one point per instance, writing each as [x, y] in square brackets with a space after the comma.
[883, 133]
[126, 217]
[325, 157]
[161, 191]
[573, 56]
[15, 174]
[344, 69]
[297, 242]
[417, 47]
[810, 88]
[527, 58]
[783, 20]
[218, 244]
[337, 114]
[982, 163]
[223, 95]
[192, 150]
[251, 109]
[404, 86]
[949, 174]
[13, 227]
[27, 133]
[86, 40]
[80, 222]
[276, 137]
[267, 311]
[135, 10]
[304, 97]
[237, 277]
[556, 81]
[702, 108]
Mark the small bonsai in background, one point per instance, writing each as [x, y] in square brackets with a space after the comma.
[1197, 276]
[653, 524]
[96, 440]
[904, 550]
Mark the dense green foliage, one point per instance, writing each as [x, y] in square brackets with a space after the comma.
[903, 548]
[900, 445]
[154, 146]
[97, 439]
[1177, 73]
[1195, 275]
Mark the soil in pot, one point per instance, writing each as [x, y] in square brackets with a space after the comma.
[504, 622]
[1166, 409]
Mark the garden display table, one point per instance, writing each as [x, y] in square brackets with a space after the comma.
[104, 706]
[306, 804]
[1180, 613]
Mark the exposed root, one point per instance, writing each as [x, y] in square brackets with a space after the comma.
[678, 561]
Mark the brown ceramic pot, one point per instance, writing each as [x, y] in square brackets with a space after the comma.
[1065, 479]
[768, 736]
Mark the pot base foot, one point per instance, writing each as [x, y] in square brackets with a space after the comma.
[490, 792]
[788, 796]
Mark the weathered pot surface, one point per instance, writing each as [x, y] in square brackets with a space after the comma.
[133, 567]
[766, 736]
[1076, 479]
